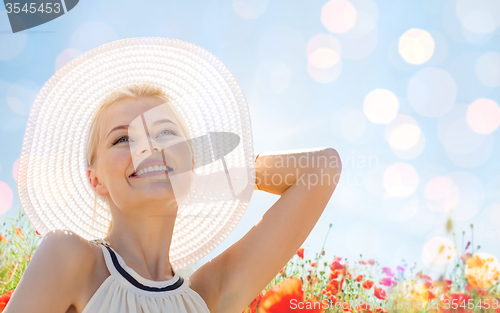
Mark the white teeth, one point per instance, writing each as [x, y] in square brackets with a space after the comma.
[154, 169]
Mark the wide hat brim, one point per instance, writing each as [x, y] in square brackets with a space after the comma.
[52, 184]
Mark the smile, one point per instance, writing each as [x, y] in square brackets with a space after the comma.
[152, 170]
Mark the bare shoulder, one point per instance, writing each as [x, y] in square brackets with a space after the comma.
[61, 259]
[67, 241]
[68, 250]
[206, 282]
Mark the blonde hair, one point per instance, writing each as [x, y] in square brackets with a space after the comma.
[132, 91]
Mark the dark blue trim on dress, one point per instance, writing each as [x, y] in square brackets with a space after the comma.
[134, 282]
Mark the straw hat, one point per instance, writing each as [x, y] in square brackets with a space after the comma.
[53, 187]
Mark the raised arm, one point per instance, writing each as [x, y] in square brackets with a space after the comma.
[55, 276]
[305, 180]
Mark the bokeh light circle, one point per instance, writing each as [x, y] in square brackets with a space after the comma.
[325, 76]
[438, 251]
[488, 69]
[11, 45]
[366, 18]
[405, 137]
[403, 134]
[463, 146]
[380, 106]
[324, 64]
[6, 197]
[15, 167]
[21, 95]
[361, 40]
[416, 46]
[493, 265]
[324, 58]
[66, 56]
[338, 16]
[441, 194]
[479, 16]
[400, 180]
[483, 116]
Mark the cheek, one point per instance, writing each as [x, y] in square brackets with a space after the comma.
[183, 155]
[118, 161]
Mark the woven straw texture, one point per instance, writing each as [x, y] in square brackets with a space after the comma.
[52, 183]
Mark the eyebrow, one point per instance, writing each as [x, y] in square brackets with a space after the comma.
[158, 122]
[165, 120]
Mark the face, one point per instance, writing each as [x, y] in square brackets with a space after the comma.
[143, 157]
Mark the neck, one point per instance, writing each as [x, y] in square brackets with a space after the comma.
[144, 241]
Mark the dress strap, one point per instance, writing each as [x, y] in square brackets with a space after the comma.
[117, 267]
[100, 241]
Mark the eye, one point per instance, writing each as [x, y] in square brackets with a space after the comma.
[120, 140]
[165, 131]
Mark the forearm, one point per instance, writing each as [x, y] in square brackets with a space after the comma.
[277, 171]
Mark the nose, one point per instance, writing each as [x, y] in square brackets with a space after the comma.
[149, 147]
[155, 149]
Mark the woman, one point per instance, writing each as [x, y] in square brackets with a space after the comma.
[130, 269]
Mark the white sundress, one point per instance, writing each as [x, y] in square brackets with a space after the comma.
[125, 291]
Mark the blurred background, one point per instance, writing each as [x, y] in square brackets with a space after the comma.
[407, 92]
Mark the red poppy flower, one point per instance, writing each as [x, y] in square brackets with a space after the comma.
[492, 304]
[4, 299]
[252, 308]
[361, 308]
[381, 310]
[336, 265]
[371, 261]
[3, 239]
[431, 295]
[456, 298]
[379, 293]
[300, 253]
[362, 262]
[346, 307]
[464, 257]
[313, 264]
[333, 287]
[423, 276]
[479, 291]
[288, 297]
[367, 284]
[359, 278]
[19, 232]
[335, 274]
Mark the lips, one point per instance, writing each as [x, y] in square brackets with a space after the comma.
[149, 168]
